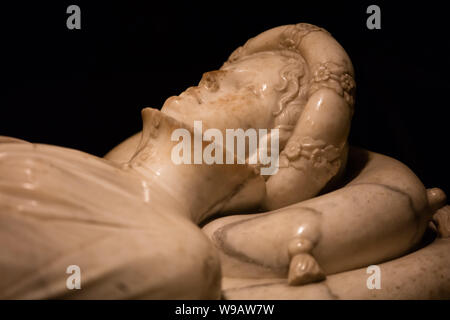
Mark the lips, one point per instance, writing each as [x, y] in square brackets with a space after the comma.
[192, 92]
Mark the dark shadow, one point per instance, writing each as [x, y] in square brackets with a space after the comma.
[428, 237]
[356, 161]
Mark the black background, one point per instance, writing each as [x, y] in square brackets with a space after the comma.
[84, 89]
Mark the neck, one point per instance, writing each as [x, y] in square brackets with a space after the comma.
[200, 189]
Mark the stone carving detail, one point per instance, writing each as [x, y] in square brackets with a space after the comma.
[293, 35]
[318, 152]
[333, 76]
[290, 39]
[328, 74]
[324, 75]
[132, 219]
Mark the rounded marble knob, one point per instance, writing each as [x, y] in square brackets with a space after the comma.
[297, 246]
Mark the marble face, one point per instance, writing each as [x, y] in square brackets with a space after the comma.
[131, 220]
[251, 82]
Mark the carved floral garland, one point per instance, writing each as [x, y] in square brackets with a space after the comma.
[328, 74]
[317, 151]
[333, 76]
[324, 75]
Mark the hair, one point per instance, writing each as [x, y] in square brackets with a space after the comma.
[294, 83]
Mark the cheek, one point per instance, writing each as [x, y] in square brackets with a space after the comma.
[238, 102]
[251, 111]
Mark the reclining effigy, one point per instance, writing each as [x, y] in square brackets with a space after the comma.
[306, 230]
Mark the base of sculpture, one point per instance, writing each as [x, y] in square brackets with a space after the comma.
[423, 274]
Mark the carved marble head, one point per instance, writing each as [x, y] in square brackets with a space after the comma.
[267, 82]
